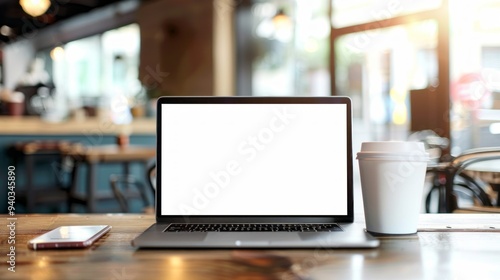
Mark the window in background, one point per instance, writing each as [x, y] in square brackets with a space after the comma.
[378, 69]
[383, 53]
[80, 68]
[353, 12]
[88, 72]
[475, 74]
[120, 51]
[289, 48]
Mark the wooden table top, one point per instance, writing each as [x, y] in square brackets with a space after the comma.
[435, 253]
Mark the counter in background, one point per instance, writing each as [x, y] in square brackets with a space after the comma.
[88, 126]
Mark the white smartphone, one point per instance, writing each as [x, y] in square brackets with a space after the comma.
[69, 237]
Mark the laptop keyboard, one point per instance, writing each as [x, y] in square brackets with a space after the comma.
[253, 227]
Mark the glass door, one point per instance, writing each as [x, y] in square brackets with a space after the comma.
[380, 72]
[386, 53]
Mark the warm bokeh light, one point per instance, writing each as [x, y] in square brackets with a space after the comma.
[175, 261]
[400, 111]
[281, 20]
[35, 7]
[42, 262]
[5, 30]
[57, 53]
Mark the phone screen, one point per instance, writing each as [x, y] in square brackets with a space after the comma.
[69, 237]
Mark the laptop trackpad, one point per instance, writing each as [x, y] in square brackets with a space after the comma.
[252, 238]
[186, 236]
[314, 235]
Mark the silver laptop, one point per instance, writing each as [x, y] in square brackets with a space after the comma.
[254, 172]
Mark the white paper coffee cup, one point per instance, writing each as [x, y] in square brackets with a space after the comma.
[392, 181]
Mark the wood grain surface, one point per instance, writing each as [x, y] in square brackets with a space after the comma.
[438, 254]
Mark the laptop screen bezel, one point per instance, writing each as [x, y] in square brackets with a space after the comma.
[349, 217]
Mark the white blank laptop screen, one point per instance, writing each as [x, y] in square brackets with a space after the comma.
[254, 159]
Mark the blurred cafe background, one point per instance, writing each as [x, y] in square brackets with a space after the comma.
[79, 80]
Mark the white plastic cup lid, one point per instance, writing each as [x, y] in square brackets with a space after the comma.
[392, 147]
[393, 150]
[416, 156]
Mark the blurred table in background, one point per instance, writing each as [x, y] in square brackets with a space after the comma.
[93, 157]
[31, 154]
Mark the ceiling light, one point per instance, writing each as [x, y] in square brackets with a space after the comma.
[35, 8]
[281, 20]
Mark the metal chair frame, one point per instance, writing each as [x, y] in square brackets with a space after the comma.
[450, 178]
